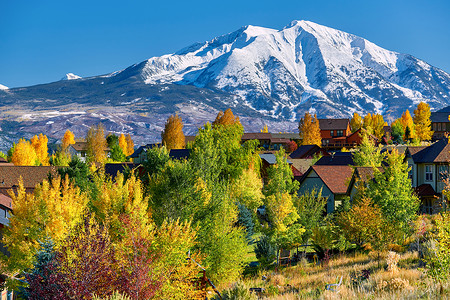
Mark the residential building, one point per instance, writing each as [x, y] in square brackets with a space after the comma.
[334, 132]
[440, 123]
[429, 170]
[31, 176]
[79, 149]
[332, 179]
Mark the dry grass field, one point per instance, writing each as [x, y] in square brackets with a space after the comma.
[363, 277]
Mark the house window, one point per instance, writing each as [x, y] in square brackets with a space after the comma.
[443, 172]
[339, 132]
[428, 173]
[331, 133]
[439, 126]
[325, 142]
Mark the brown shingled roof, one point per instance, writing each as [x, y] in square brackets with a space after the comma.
[333, 124]
[5, 201]
[336, 178]
[31, 175]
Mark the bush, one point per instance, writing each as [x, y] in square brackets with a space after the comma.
[115, 296]
[238, 292]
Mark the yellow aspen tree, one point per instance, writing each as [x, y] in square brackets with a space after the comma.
[123, 144]
[407, 122]
[24, 154]
[40, 145]
[173, 136]
[226, 118]
[378, 124]
[309, 130]
[422, 122]
[67, 140]
[49, 213]
[96, 144]
[356, 122]
[130, 145]
[265, 129]
[367, 123]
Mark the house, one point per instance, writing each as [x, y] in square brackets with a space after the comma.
[269, 141]
[5, 209]
[440, 123]
[268, 159]
[79, 149]
[336, 159]
[429, 169]
[332, 179]
[31, 176]
[361, 175]
[308, 151]
[140, 154]
[334, 132]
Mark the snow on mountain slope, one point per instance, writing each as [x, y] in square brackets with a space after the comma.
[304, 66]
[3, 87]
[70, 76]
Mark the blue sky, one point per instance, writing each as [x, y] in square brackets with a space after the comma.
[41, 41]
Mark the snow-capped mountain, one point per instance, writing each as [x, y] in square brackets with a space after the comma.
[70, 76]
[282, 73]
[266, 76]
[3, 87]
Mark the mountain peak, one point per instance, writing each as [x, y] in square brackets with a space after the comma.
[3, 87]
[70, 76]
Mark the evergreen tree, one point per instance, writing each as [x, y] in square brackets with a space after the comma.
[245, 219]
[397, 132]
[173, 136]
[309, 130]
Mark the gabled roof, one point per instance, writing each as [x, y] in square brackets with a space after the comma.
[336, 159]
[305, 151]
[139, 150]
[79, 146]
[425, 190]
[270, 158]
[6, 201]
[440, 116]
[301, 164]
[438, 152]
[31, 175]
[336, 178]
[179, 153]
[256, 136]
[333, 124]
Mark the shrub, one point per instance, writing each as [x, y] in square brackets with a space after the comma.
[392, 261]
[238, 292]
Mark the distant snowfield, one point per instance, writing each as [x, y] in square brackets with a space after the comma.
[3, 87]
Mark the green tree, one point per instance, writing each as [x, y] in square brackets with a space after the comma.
[391, 190]
[310, 208]
[397, 132]
[367, 154]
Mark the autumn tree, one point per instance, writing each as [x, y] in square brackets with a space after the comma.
[408, 126]
[40, 146]
[374, 124]
[310, 207]
[50, 212]
[67, 140]
[96, 144]
[356, 122]
[365, 225]
[367, 123]
[23, 154]
[130, 145]
[173, 136]
[265, 129]
[226, 118]
[309, 130]
[422, 122]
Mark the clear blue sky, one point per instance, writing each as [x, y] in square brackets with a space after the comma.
[41, 41]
